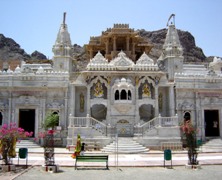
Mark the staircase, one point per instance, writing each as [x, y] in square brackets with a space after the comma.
[212, 145]
[30, 144]
[125, 146]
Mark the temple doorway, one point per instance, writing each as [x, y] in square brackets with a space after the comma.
[27, 120]
[211, 123]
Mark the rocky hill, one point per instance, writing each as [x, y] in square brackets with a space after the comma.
[10, 50]
[192, 53]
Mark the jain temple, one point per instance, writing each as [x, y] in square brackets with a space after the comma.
[121, 93]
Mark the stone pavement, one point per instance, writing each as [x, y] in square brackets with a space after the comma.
[141, 162]
[212, 172]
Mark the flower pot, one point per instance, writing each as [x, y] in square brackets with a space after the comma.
[7, 168]
[50, 168]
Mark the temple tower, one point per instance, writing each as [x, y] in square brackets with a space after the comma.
[171, 59]
[63, 49]
[117, 39]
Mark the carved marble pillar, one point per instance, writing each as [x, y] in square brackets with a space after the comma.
[88, 100]
[41, 111]
[136, 99]
[10, 113]
[156, 102]
[108, 103]
[44, 107]
[171, 100]
[65, 116]
[72, 100]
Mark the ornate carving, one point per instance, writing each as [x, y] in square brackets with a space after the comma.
[122, 62]
[98, 89]
[82, 102]
[146, 90]
[55, 105]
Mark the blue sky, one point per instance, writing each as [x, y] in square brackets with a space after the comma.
[34, 24]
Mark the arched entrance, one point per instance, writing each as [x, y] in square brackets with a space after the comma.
[124, 128]
[27, 120]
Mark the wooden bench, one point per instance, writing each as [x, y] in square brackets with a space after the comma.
[92, 158]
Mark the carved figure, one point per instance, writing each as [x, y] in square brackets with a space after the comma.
[146, 90]
[82, 102]
[98, 89]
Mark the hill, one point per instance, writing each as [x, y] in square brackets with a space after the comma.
[10, 51]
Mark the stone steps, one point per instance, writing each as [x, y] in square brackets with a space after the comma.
[212, 145]
[27, 143]
[125, 146]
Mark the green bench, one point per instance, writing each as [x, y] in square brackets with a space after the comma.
[92, 158]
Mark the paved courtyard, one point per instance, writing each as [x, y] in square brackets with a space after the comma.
[129, 166]
[213, 172]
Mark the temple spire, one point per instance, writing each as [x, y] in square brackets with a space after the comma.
[63, 49]
[64, 18]
[172, 46]
[171, 16]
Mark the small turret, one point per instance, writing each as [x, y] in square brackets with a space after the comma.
[171, 59]
[63, 49]
[172, 46]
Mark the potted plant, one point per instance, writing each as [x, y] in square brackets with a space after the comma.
[51, 121]
[189, 136]
[9, 135]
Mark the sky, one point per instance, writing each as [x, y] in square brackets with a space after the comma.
[34, 24]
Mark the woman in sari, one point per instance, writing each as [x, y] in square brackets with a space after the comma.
[77, 148]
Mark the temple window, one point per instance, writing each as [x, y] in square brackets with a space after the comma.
[187, 116]
[117, 95]
[129, 95]
[123, 95]
[56, 113]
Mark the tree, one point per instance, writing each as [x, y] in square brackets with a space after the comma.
[51, 121]
[189, 135]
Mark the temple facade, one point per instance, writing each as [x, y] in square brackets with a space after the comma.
[122, 91]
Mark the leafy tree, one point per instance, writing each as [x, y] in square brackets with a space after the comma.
[51, 121]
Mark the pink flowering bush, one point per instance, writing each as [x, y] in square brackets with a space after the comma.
[189, 133]
[9, 135]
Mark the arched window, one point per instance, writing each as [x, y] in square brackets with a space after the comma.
[1, 118]
[56, 113]
[123, 95]
[117, 95]
[129, 95]
[187, 116]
